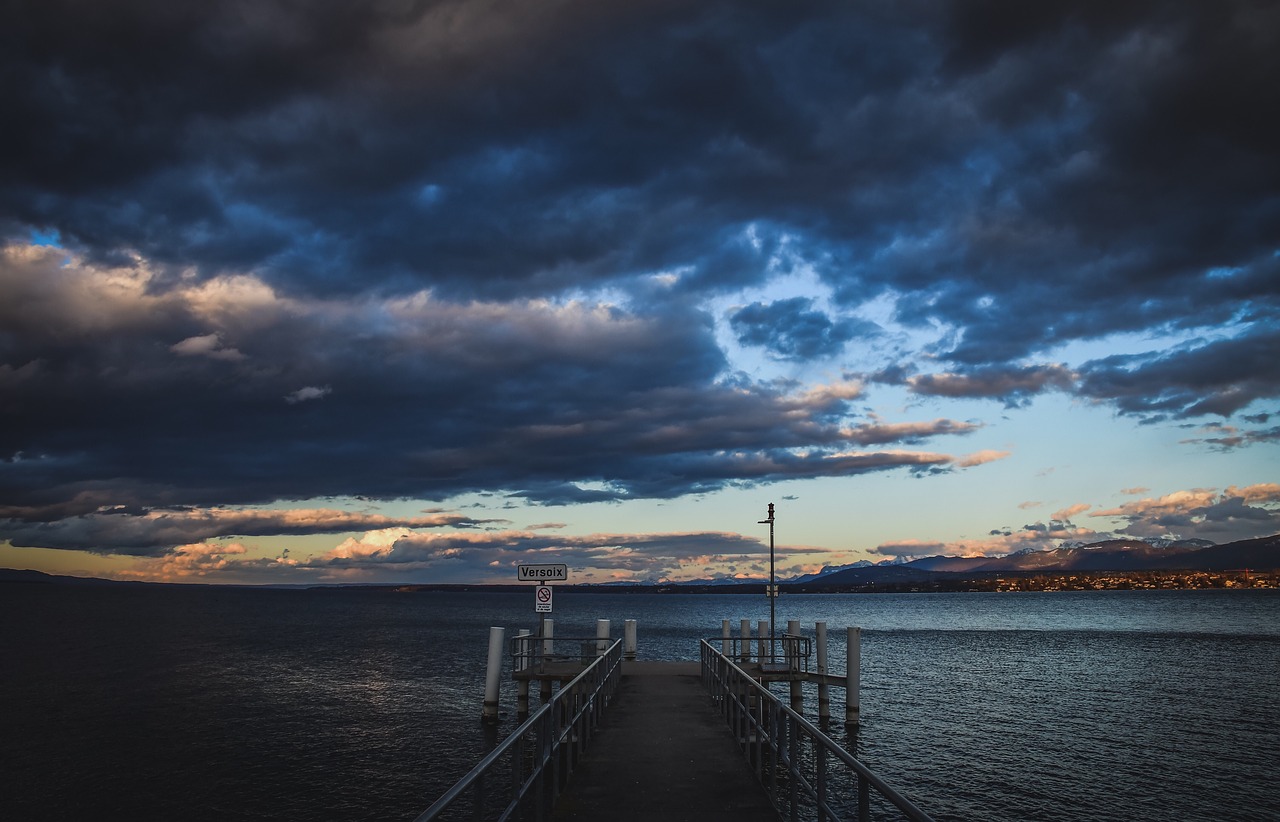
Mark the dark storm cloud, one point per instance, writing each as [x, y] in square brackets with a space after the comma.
[1012, 384]
[1207, 377]
[154, 533]
[792, 330]
[1030, 175]
[1229, 437]
[224, 392]
[338, 248]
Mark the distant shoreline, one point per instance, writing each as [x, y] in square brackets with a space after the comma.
[933, 582]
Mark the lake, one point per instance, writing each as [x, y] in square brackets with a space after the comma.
[161, 702]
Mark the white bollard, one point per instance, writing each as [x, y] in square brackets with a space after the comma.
[629, 639]
[548, 648]
[851, 682]
[824, 690]
[745, 650]
[726, 637]
[493, 675]
[762, 632]
[602, 636]
[548, 637]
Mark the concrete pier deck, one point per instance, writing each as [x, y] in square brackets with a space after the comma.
[663, 752]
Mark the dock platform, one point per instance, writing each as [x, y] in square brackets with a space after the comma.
[663, 752]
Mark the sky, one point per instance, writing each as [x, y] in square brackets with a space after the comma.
[416, 292]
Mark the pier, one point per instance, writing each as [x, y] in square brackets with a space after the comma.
[640, 740]
[663, 752]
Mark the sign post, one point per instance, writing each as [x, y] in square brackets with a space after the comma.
[543, 574]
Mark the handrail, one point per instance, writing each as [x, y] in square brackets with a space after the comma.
[531, 652]
[542, 752]
[790, 650]
[772, 735]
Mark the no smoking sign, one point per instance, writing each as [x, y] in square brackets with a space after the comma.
[542, 600]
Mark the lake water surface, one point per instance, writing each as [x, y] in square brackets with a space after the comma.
[221, 703]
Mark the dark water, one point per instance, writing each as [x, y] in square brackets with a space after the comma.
[164, 703]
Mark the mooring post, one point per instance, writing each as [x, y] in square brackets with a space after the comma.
[548, 648]
[726, 637]
[793, 660]
[851, 682]
[602, 636]
[492, 675]
[746, 640]
[524, 649]
[824, 690]
[629, 639]
[762, 632]
[548, 637]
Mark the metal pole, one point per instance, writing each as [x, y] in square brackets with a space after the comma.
[772, 592]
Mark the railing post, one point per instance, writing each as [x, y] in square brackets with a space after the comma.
[824, 690]
[820, 770]
[523, 649]
[540, 751]
[775, 727]
[793, 660]
[794, 756]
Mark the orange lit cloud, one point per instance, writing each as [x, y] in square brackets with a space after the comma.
[1071, 511]
[981, 458]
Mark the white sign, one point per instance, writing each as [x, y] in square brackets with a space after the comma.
[544, 573]
[542, 600]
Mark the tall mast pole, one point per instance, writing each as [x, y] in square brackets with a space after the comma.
[772, 591]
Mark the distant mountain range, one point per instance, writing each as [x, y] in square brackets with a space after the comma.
[1110, 555]
[1262, 554]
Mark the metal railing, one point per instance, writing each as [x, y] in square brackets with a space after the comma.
[785, 653]
[524, 774]
[791, 756]
[537, 654]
